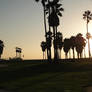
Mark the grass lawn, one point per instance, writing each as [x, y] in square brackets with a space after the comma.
[44, 77]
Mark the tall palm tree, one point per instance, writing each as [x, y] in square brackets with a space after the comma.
[1, 48]
[88, 16]
[45, 12]
[53, 20]
[43, 46]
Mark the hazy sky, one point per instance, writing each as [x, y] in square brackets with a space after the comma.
[21, 24]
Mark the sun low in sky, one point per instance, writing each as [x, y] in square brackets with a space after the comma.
[21, 25]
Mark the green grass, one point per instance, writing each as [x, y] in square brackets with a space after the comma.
[44, 77]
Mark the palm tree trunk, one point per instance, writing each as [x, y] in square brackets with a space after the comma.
[84, 53]
[45, 27]
[56, 45]
[80, 55]
[89, 48]
[45, 21]
[73, 54]
[0, 56]
[49, 15]
[77, 55]
[69, 54]
[43, 55]
[60, 53]
[49, 30]
[88, 41]
[66, 56]
[54, 41]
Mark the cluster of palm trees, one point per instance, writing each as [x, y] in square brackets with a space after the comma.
[75, 43]
[52, 11]
[58, 44]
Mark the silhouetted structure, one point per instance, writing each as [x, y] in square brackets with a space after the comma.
[18, 52]
[88, 16]
[1, 48]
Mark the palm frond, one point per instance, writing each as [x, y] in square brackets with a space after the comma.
[84, 17]
[60, 14]
[61, 9]
[58, 5]
[37, 0]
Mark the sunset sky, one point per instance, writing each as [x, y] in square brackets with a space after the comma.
[21, 24]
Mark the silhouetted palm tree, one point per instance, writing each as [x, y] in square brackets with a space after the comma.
[84, 48]
[44, 2]
[88, 16]
[66, 46]
[1, 48]
[49, 43]
[73, 43]
[59, 42]
[80, 44]
[44, 9]
[53, 20]
[43, 46]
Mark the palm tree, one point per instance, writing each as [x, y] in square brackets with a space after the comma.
[1, 48]
[49, 43]
[66, 46]
[43, 46]
[88, 16]
[45, 12]
[53, 20]
[59, 42]
[84, 48]
[72, 41]
[80, 44]
[44, 9]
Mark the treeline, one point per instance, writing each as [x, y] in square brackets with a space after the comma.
[75, 43]
[52, 11]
